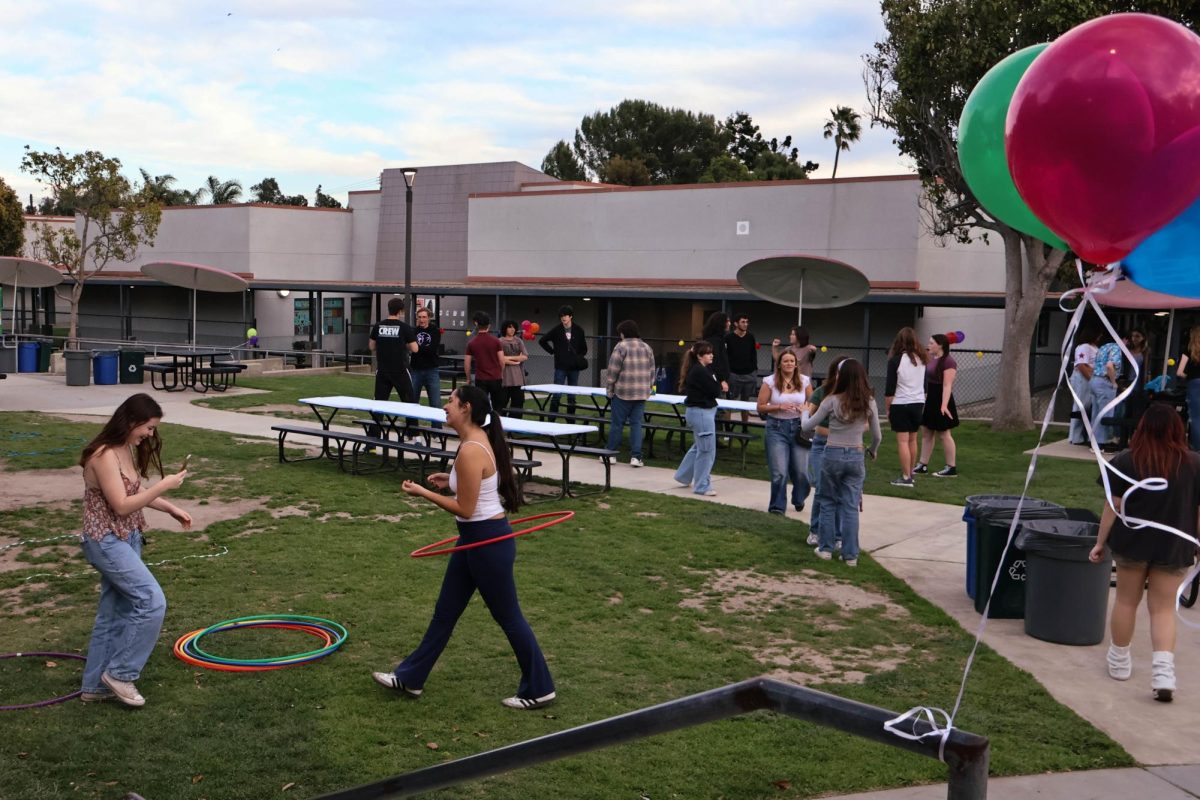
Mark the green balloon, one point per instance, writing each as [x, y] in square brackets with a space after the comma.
[981, 146]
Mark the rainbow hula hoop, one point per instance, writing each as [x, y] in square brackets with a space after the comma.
[54, 700]
[429, 549]
[332, 635]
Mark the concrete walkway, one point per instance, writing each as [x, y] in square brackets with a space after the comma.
[921, 543]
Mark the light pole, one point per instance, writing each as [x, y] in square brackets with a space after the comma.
[410, 175]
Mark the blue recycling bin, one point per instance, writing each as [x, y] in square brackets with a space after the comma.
[27, 357]
[104, 367]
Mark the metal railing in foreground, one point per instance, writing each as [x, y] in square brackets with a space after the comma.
[966, 754]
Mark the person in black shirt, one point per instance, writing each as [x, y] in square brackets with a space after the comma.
[568, 344]
[424, 365]
[714, 333]
[392, 340]
[702, 390]
[743, 362]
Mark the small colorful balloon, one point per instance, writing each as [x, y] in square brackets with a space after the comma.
[681, 342]
[1170, 362]
[824, 349]
[979, 354]
[251, 332]
[535, 327]
[527, 336]
[962, 337]
[253, 341]
[525, 324]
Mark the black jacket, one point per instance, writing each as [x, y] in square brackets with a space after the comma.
[701, 387]
[568, 355]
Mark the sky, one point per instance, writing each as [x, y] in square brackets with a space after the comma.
[332, 92]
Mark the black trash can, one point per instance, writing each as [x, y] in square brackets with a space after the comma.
[45, 348]
[133, 363]
[1066, 595]
[993, 514]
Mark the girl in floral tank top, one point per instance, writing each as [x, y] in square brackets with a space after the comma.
[132, 605]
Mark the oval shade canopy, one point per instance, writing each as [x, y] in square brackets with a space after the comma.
[804, 281]
[198, 278]
[28, 273]
[1127, 294]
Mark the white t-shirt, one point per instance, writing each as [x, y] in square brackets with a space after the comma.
[799, 398]
[910, 382]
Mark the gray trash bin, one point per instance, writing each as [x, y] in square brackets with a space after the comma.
[79, 367]
[1066, 595]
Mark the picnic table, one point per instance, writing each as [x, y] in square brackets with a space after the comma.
[188, 370]
[529, 435]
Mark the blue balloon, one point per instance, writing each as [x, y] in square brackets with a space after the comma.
[1168, 261]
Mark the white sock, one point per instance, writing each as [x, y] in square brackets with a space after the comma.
[1162, 657]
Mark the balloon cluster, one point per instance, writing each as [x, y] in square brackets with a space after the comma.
[1089, 143]
[529, 330]
[956, 337]
[252, 337]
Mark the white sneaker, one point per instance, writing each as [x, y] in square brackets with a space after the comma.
[823, 555]
[851, 562]
[527, 704]
[389, 680]
[709, 493]
[128, 694]
[812, 540]
[1162, 675]
[1120, 663]
[636, 462]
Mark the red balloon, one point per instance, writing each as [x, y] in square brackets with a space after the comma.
[527, 336]
[1103, 132]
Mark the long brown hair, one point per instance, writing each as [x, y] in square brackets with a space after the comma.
[1158, 445]
[137, 410]
[853, 391]
[906, 342]
[781, 382]
[477, 399]
[831, 378]
[691, 358]
[1194, 344]
[944, 342]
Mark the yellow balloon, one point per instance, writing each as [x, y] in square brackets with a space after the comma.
[1170, 362]
[824, 349]
[681, 342]
[251, 333]
[979, 354]
[468, 333]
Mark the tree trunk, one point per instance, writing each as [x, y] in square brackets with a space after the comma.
[1028, 275]
[73, 330]
[837, 151]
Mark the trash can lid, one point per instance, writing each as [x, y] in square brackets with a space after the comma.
[1004, 507]
[1057, 535]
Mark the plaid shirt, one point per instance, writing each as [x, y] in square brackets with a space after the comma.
[631, 370]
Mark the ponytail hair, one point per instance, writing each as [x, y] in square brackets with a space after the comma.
[483, 416]
[691, 358]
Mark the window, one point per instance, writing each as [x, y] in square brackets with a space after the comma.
[334, 320]
[302, 317]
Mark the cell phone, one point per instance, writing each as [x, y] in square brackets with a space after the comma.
[186, 459]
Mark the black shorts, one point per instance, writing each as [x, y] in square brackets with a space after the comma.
[905, 418]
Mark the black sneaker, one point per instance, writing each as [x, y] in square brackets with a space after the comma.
[902, 481]
[946, 472]
[920, 469]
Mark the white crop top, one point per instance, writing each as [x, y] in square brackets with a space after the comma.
[779, 398]
[489, 504]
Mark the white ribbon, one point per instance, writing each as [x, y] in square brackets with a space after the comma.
[224, 551]
[1099, 285]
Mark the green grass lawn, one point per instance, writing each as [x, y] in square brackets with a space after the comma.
[637, 600]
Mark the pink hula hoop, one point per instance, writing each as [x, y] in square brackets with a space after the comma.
[429, 549]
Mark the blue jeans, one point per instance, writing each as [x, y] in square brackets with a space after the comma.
[565, 377]
[490, 570]
[633, 411]
[786, 460]
[816, 457]
[1193, 407]
[1103, 391]
[1082, 387]
[842, 476]
[428, 380]
[696, 467]
[130, 613]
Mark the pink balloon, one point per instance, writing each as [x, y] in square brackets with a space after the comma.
[1103, 132]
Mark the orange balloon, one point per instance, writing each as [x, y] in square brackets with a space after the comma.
[534, 327]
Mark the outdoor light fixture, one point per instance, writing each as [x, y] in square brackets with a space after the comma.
[284, 292]
[410, 176]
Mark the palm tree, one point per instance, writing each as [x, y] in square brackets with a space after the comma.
[843, 128]
[220, 192]
[162, 189]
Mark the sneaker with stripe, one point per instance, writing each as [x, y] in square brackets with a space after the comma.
[528, 704]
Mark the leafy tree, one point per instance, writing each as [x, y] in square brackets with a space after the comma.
[112, 219]
[561, 163]
[325, 201]
[843, 127]
[764, 160]
[161, 188]
[63, 206]
[674, 145]
[625, 172]
[12, 221]
[726, 168]
[918, 79]
[267, 191]
[219, 192]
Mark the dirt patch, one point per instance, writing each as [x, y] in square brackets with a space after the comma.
[802, 665]
[752, 594]
[34, 487]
